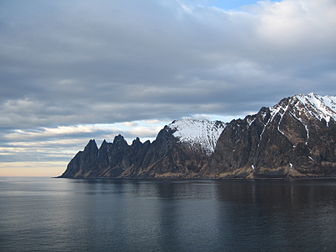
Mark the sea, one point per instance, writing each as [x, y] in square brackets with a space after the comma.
[53, 214]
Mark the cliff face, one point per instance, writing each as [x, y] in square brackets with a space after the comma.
[81, 165]
[181, 149]
[294, 138]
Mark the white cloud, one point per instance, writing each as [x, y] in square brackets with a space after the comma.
[297, 23]
[62, 142]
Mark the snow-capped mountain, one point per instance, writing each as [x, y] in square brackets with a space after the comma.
[204, 133]
[294, 138]
[311, 106]
[304, 108]
[181, 148]
[317, 106]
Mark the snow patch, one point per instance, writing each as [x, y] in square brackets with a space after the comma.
[277, 109]
[307, 131]
[201, 132]
[320, 107]
[249, 121]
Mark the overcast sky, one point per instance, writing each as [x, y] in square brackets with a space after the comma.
[71, 70]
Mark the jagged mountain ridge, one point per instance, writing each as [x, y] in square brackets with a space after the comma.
[294, 138]
[181, 149]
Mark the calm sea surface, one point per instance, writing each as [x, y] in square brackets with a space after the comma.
[45, 214]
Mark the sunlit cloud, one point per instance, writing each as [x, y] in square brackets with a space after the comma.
[33, 169]
[63, 142]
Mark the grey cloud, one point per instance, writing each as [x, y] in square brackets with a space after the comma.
[84, 61]
[78, 54]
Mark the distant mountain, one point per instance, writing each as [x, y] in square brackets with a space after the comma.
[294, 138]
[180, 149]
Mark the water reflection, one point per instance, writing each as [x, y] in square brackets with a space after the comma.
[137, 215]
[281, 216]
[278, 194]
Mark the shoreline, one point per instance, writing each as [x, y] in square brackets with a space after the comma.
[290, 179]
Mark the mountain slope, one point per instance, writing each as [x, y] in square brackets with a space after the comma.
[296, 137]
[203, 133]
[181, 149]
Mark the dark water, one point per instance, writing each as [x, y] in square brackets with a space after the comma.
[108, 215]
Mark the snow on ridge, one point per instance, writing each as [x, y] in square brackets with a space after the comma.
[201, 132]
[321, 107]
[206, 133]
[312, 105]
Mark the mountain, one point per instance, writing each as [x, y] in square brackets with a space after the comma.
[181, 149]
[202, 133]
[294, 138]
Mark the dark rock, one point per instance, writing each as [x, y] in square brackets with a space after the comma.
[289, 141]
[165, 157]
[84, 163]
[295, 138]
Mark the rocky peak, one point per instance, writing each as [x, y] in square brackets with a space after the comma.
[104, 143]
[293, 137]
[316, 106]
[165, 134]
[304, 109]
[308, 107]
[91, 146]
[219, 124]
[104, 146]
[136, 142]
[119, 140]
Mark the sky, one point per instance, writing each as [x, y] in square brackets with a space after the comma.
[81, 69]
